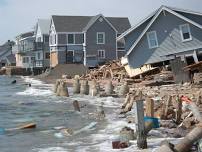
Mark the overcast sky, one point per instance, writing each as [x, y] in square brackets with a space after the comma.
[18, 16]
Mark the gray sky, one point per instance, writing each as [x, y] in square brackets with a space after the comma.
[18, 16]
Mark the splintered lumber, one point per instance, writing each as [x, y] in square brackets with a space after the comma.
[112, 69]
[22, 127]
[149, 107]
[28, 126]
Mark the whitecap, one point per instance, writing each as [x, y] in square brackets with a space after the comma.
[51, 149]
[35, 92]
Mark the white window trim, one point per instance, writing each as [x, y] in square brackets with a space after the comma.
[103, 53]
[185, 40]
[73, 39]
[103, 33]
[157, 44]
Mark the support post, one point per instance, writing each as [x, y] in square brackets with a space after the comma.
[178, 110]
[76, 105]
[140, 125]
[149, 107]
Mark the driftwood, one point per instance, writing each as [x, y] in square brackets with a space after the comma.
[185, 144]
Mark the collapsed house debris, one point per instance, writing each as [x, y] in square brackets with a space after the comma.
[112, 70]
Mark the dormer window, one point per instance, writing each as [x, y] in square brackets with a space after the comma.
[152, 39]
[185, 32]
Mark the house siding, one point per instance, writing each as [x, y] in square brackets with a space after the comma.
[164, 27]
[195, 18]
[132, 37]
[91, 42]
[78, 38]
[62, 39]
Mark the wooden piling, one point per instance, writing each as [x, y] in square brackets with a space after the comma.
[84, 88]
[56, 86]
[124, 89]
[149, 107]
[127, 99]
[140, 125]
[76, 105]
[63, 89]
[165, 107]
[76, 86]
[109, 88]
[178, 110]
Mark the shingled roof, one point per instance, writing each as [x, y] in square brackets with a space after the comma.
[44, 25]
[81, 23]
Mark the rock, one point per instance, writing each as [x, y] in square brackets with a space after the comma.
[127, 134]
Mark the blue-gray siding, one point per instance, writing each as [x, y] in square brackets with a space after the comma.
[91, 42]
[62, 39]
[131, 37]
[164, 27]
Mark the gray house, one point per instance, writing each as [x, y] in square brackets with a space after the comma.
[164, 35]
[6, 56]
[42, 50]
[90, 40]
[24, 50]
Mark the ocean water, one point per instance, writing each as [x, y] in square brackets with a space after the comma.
[21, 104]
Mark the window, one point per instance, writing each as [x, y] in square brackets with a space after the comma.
[152, 39]
[46, 39]
[101, 54]
[100, 38]
[25, 60]
[70, 38]
[39, 56]
[47, 55]
[185, 32]
[55, 39]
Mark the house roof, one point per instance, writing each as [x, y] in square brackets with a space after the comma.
[44, 25]
[157, 13]
[24, 35]
[11, 58]
[82, 23]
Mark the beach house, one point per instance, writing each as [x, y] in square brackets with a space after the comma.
[88, 40]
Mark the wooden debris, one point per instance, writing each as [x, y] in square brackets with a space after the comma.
[149, 107]
[111, 70]
[178, 110]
